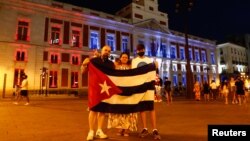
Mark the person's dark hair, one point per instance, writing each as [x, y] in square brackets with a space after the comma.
[129, 61]
[124, 53]
[140, 47]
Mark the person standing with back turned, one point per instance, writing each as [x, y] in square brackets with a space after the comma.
[99, 61]
[139, 61]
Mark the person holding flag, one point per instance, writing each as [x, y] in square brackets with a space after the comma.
[125, 122]
[140, 61]
[98, 90]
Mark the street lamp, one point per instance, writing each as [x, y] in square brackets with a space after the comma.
[185, 6]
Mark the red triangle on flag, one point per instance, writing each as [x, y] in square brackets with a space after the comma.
[100, 86]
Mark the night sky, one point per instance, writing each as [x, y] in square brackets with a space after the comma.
[211, 19]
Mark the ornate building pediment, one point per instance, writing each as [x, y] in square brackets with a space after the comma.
[151, 24]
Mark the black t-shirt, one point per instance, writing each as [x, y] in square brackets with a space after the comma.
[167, 85]
[239, 87]
[99, 63]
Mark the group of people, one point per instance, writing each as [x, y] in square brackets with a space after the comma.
[237, 88]
[163, 89]
[123, 122]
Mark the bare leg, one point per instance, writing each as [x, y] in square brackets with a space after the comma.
[99, 132]
[100, 119]
[144, 120]
[28, 100]
[153, 119]
[92, 118]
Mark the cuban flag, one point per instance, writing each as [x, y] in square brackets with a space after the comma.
[121, 91]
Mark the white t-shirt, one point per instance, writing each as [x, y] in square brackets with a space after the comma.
[24, 85]
[138, 62]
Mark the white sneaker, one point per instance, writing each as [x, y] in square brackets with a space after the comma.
[26, 104]
[90, 136]
[100, 135]
[15, 103]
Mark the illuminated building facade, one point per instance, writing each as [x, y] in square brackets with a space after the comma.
[232, 58]
[48, 40]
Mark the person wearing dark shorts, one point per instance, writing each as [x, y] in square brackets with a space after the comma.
[24, 90]
[239, 84]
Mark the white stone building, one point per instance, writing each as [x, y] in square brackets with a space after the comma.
[231, 58]
[48, 40]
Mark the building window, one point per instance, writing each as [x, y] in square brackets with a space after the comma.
[17, 77]
[214, 70]
[198, 77]
[175, 80]
[125, 44]
[163, 23]
[183, 67]
[190, 54]
[111, 41]
[74, 79]
[198, 69]
[172, 52]
[221, 51]
[197, 56]
[22, 31]
[75, 38]
[53, 79]
[151, 8]
[164, 50]
[205, 78]
[54, 58]
[21, 55]
[138, 16]
[203, 57]
[184, 80]
[75, 60]
[212, 58]
[182, 54]
[205, 69]
[222, 60]
[153, 48]
[55, 36]
[94, 40]
[174, 67]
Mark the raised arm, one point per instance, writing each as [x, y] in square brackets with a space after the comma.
[84, 66]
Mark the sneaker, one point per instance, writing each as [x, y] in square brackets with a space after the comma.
[125, 133]
[15, 103]
[26, 104]
[100, 135]
[156, 135]
[120, 132]
[143, 133]
[90, 136]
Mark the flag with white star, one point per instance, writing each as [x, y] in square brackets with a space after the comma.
[121, 91]
[100, 86]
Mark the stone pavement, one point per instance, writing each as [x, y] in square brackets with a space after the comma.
[64, 118]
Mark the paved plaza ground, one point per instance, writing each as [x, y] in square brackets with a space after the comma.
[65, 118]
